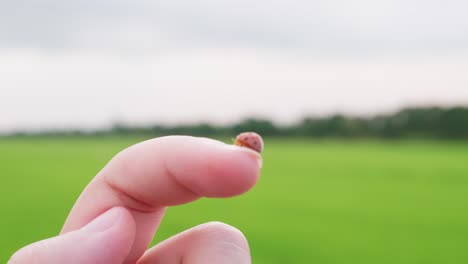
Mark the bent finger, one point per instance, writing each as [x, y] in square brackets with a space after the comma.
[107, 239]
[161, 172]
[208, 243]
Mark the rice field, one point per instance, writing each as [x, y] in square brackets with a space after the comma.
[316, 202]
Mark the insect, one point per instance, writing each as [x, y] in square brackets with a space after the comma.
[250, 140]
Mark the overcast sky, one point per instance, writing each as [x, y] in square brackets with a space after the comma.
[87, 63]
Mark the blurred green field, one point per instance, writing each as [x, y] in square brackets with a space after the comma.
[316, 202]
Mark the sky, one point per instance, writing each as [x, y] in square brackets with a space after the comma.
[89, 64]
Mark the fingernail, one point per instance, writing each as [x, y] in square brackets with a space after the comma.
[104, 221]
[253, 154]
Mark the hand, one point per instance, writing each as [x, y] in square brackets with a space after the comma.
[116, 216]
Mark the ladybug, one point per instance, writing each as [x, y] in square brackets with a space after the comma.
[250, 140]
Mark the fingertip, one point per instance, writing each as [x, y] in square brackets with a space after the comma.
[252, 154]
[216, 169]
[240, 170]
[116, 224]
[117, 240]
[106, 239]
[213, 242]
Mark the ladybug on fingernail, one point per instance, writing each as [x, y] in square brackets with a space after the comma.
[250, 140]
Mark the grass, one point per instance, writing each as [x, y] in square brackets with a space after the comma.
[316, 202]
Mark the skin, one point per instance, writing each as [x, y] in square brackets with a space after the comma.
[117, 214]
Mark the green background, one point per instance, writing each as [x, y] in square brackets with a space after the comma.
[316, 201]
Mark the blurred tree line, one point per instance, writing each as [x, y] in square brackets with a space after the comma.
[429, 122]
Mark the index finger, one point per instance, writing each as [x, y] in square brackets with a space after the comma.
[161, 172]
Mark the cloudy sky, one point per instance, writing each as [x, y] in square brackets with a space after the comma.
[87, 63]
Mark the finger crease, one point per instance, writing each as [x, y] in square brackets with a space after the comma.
[131, 201]
[178, 183]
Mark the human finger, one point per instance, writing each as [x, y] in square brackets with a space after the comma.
[210, 243]
[106, 239]
[165, 171]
